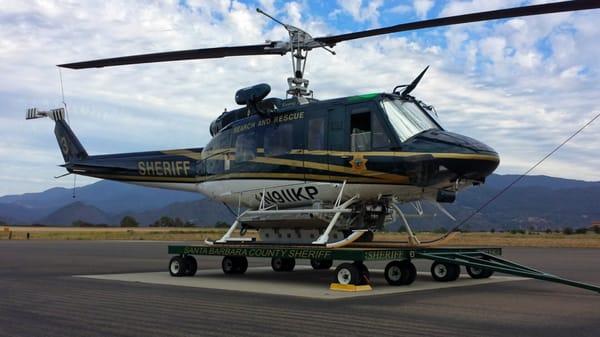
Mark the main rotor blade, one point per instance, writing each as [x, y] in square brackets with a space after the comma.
[192, 54]
[557, 7]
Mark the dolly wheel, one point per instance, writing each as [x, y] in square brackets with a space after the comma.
[409, 272]
[455, 272]
[177, 266]
[400, 273]
[242, 264]
[234, 264]
[445, 272]
[347, 273]
[365, 275]
[190, 264]
[283, 263]
[478, 273]
[321, 264]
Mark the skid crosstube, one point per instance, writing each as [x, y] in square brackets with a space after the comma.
[474, 257]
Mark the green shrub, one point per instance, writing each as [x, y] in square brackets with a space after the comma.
[129, 221]
[567, 230]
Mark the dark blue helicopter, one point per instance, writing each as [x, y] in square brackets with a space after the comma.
[325, 172]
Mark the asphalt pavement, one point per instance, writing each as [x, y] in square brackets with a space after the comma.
[40, 297]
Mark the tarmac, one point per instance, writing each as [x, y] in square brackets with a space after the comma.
[120, 288]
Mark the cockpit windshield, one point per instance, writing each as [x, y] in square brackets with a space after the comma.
[407, 118]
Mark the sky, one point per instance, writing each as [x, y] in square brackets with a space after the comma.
[521, 85]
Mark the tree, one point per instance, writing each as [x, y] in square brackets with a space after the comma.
[80, 223]
[221, 224]
[129, 221]
[166, 221]
[567, 230]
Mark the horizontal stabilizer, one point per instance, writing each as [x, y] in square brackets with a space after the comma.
[54, 114]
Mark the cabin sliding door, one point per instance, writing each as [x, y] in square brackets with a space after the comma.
[337, 141]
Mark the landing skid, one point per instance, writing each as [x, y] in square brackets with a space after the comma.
[443, 241]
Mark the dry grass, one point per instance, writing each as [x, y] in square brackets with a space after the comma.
[113, 233]
[589, 240]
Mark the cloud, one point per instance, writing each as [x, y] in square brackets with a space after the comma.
[400, 9]
[422, 7]
[521, 86]
[360, 13]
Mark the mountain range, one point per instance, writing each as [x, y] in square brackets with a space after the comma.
[538, 202]
[107, 202]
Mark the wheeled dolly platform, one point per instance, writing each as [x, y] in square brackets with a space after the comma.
[479, 262]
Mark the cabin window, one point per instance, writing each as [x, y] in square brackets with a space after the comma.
[215, 152]
[245, 147]
[360, 131]
[279, 140]
[316, 134]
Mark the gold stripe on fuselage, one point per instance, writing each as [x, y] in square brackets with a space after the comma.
[332, 168]
[226, 151]
[184, 153]
[396, 154]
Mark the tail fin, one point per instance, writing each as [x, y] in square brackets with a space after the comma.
[69, 145]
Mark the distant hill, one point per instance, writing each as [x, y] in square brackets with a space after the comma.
[535, 202]
[202, 213]
[11, 213]
[496, 181]
[66, 215]
[108, 196]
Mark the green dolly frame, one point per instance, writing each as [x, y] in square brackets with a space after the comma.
[480, 262]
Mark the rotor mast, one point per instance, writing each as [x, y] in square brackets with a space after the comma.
[299, 45]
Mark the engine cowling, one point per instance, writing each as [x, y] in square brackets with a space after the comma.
[252, 94]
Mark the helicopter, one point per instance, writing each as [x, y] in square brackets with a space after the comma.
[302, 170]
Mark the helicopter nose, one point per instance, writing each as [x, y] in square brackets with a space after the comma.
[459, 155]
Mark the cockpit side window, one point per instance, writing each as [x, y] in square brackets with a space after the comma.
[360, 131]
[367, 132]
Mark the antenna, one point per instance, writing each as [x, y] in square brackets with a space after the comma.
[62, 92]
[408, 88]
